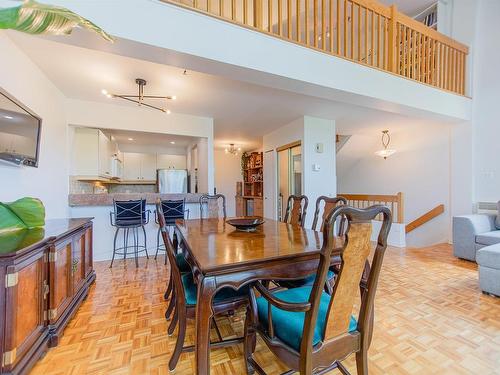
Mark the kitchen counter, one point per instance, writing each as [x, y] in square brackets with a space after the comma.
[86, 200]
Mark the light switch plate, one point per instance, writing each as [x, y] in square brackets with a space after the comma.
[316, 167]
[319, 148]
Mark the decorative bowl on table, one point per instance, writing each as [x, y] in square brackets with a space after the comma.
[246, 224]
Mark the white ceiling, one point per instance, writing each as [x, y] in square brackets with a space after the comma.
[151, 139]
[242, 112]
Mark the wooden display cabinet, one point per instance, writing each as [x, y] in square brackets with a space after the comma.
[250, 203]
[45, 274]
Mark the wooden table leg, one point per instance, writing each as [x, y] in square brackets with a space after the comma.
[204, 313]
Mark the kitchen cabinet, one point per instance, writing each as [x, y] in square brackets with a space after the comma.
[139, 167]
[92, 152]
[165, 161]
[45, 275]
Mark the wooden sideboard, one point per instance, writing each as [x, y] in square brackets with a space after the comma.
[242, 206]
[45, 274]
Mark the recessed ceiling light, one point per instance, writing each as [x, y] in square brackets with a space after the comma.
[8, 117]
[130, 139]
[104, 92]
[174, 97]
[172, 142]
[168, 111]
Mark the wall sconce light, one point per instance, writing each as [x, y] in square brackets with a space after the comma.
[386, 151]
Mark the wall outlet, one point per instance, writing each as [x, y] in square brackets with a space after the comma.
[316, 167]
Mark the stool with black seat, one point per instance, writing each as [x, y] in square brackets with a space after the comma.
[129, 216]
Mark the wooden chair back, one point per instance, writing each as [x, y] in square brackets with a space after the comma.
[169, 249]
[354, 256]
[327, 204]
[209, 206]
[296, 210]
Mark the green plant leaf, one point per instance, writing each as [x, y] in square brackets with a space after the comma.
[23, 213]
[36, 18]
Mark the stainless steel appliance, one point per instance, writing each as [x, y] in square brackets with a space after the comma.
[171, 181]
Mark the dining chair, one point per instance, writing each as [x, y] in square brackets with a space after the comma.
[210, 205]
[296, 209]
[185, 292]
[173, 210]
[309, 330]
[324, 205]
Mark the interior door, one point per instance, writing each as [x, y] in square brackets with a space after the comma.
[269, 185]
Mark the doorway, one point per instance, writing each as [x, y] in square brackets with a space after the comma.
[289, 174]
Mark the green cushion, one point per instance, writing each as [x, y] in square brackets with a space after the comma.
[181, 263]
[288, 326]
[191, 291]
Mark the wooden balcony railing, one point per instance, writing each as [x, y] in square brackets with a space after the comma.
[394, 202]
[363, 31]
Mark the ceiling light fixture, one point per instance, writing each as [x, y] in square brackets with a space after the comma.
[139, 99]
[8, 117]
[130, 139]
[172, 142]
[385, 152]
[232, 150]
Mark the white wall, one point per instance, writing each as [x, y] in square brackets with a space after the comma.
[310, 131]
[227, 173]
[291, 132]
[486, 107]
[49, 182]
[420, 169]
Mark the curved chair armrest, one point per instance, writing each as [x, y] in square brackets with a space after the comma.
[111, 217]
[156, 216]
[289, 306]
[186, 211]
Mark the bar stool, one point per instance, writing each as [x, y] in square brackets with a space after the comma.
[172, 210]
[129, 216]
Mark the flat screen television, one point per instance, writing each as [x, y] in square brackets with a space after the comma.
[19, 132]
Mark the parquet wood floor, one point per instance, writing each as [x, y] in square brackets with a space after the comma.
[431, 318]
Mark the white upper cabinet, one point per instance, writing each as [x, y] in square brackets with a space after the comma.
[86, 152]
[139, 167]
[165, 161]
[105, 152]
[148, 167]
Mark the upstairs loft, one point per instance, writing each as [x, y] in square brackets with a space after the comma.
[363, 31]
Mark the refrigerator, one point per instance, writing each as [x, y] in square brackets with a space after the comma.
[172, 181]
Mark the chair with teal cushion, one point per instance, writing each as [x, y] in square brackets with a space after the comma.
[288, 326]
[310, 330]
[324, 206]
[184, 292]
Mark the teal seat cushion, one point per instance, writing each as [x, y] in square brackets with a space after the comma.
[191, 291]
[309, 280]
[288, 326]
[181, 263]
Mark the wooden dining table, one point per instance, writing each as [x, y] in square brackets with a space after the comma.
[221, 256]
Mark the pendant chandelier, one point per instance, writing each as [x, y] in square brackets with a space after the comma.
[140, 97]
[386, 151]
[232, 149]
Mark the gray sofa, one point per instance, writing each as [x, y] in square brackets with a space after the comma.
[476, 238]
[473, 232]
